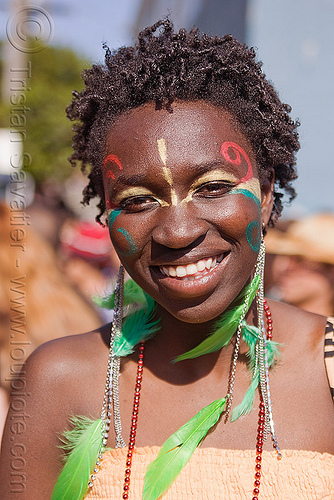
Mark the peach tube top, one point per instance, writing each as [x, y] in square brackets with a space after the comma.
[223, 474]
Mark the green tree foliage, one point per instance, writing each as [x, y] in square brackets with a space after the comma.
[55, 73]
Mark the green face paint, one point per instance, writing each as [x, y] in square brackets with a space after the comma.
[253, 234]
[132, 246]
[248, 194]
[253, 230]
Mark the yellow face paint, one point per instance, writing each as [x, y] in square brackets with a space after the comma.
[253, 186]
[162, 148]
[213, 175]
[138, 191]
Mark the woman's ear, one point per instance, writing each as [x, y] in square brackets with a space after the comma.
[267, 196]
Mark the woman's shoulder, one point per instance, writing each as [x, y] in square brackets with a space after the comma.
[295, 323]
[64, 352]
[67, 365]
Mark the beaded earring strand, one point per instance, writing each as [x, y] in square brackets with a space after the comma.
[261, 422]
[111, 392]
[87, 441]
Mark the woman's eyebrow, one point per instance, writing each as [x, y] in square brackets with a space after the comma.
[202, 168]
[129, 180]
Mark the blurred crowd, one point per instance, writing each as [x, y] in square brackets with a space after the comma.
[53, 262]
[49, 277]
[300, 263]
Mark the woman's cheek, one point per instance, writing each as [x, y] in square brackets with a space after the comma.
[122, 239]
[240, 217]
[251, 193]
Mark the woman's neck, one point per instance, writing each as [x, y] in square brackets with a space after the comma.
[177, 337]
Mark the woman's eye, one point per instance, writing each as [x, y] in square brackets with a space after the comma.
[138, 203]
[214, 189]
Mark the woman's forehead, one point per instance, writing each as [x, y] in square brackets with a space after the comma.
[194, 125]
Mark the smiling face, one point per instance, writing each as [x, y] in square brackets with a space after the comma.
[184, 204]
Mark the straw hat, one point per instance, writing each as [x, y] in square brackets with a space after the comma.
[311, 237]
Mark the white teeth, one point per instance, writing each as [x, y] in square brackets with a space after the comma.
[201, 265]
[181, 271]
[191, 269]
[171, 271]
[208, 263]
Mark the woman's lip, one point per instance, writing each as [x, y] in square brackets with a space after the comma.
[191, 286]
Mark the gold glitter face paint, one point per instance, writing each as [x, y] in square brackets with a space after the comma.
[138, 191]
[212, 176]
[253, 186]
[162, 148]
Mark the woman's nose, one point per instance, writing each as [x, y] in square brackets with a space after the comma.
[178, 227]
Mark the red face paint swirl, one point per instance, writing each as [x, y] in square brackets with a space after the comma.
[237, 151]
[112, 159]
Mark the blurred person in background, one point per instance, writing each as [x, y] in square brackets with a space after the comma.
[87, 257]
[301, 262]
[37, 303]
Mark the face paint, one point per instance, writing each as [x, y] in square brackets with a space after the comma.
[132, 246]
[248, 194]
[253, 234]
[237, 160]
[112, 159]
[162, 148]
[137, 191]
[248, 186]
[212, 176]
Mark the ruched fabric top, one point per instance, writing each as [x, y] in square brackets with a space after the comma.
[223, 474]
[228, 474]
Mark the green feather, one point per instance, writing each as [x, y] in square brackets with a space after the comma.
[137, 327]
[247, 403]
[83, 443]
[226, 326]
[133, 294]
[250, 335]
[177, 450]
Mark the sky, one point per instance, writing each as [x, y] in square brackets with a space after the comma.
[294, 39]
[84, 24]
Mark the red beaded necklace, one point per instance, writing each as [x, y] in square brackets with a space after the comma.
[134, 419]
[260, 427]
[135, 411]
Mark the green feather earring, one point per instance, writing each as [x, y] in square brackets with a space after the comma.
[178, 449]
[226, 326]
[85, 443]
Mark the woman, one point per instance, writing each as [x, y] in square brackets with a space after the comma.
[185, 137]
